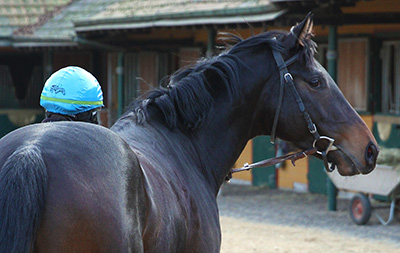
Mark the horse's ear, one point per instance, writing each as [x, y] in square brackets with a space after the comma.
[301, 32]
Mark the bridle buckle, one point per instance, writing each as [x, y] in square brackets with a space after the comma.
[288, 77]
[314, 130]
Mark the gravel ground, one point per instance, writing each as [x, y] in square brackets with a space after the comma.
[287, 208]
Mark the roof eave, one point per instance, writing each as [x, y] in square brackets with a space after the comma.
[42, 42]
[176, 22]
[5, 41]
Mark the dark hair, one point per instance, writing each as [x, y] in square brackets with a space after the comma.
[88, 116]
[190, 93]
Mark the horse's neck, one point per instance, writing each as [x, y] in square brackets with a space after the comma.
[227, 131]
[214, 147]
[220, 144]
[208, 152]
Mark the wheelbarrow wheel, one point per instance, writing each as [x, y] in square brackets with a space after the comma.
[360, 209]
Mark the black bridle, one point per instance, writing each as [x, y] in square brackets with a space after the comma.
[286, 79]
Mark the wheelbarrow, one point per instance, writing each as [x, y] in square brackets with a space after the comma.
[382, 181]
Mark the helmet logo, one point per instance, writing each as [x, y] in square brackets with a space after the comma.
[57, 89]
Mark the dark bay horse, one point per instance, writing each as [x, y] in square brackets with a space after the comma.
[150, 183]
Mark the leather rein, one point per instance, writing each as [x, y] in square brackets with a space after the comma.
[286, 79]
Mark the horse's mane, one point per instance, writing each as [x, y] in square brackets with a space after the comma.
[189, 95]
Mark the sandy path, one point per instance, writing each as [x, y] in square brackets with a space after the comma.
[240, 236]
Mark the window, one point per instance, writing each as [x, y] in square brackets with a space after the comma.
[391, 77]
[30, 92]
[7, 90]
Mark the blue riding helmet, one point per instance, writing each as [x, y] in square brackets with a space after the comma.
[71, 90]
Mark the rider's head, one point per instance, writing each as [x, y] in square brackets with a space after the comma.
[74, 93]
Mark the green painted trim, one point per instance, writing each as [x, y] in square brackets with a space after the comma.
[387, 114]
[391, 35]
[120, 83]
[212, 34]
[363, 112]
[377, 76]
[332, 70]
[370, 70]
[317, 178]
[332, 52]
[263, 149]
[67, 101]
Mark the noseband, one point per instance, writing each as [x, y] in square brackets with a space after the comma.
[287, 79]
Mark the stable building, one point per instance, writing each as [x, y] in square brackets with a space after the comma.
[131, 45]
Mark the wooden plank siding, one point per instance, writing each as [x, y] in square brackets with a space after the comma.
[147, 72]
[289, 176]
[245, 157]
[188, 56]
[352, 69]
[71, 58]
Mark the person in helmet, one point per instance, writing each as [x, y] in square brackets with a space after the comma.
[71, 94]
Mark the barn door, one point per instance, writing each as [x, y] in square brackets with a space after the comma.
[391, 77]
[263, 149]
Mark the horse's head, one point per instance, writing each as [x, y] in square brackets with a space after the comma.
[300, 80]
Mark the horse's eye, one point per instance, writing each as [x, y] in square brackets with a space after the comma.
[315, 83]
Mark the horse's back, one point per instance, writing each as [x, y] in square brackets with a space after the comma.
[94, 193]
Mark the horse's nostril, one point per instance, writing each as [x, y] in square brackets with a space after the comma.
[371, 154]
